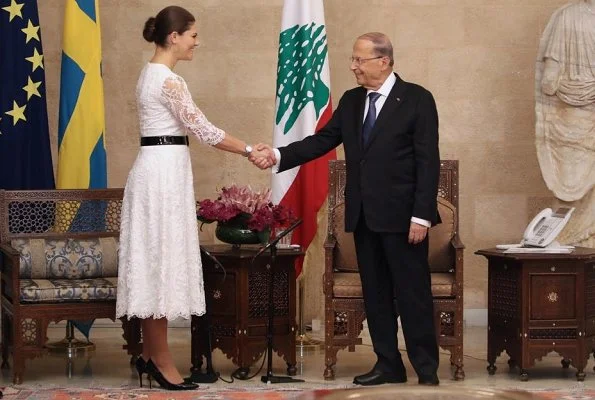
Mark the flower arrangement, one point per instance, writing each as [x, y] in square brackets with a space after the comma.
[252, 207]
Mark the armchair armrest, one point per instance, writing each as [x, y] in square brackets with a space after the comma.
[330, 242]
[329, 253]
[458, 247]
[10, 270]
[8, 250]
[12, 257]
[456, 242]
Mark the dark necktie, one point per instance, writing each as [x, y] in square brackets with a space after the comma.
[370, 118]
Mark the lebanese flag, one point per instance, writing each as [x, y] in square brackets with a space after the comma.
[303, 106]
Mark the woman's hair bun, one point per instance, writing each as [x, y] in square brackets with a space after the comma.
[149, 30]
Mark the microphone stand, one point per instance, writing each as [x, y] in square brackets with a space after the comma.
[209, 376]
[269, 377]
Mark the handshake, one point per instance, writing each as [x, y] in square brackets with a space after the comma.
[263, 156]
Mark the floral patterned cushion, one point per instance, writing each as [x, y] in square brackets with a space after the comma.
[67, 259]
[67, 290]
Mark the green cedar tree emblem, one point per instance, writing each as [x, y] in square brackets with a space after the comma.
[302, 51]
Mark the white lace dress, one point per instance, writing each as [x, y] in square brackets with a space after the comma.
[159, 266]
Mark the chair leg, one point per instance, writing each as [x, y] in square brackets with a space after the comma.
[6, 339]
[18, 362]
[132, 336]
[330, 359]
[457, 356]
[19, 370]
[330, 352]
[30, 332]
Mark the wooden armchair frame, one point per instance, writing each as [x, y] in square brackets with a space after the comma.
[344, 316]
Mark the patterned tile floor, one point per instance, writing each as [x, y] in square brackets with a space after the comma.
[108, 367]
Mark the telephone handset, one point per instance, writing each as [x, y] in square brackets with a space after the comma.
[541, 233]
[546, 226]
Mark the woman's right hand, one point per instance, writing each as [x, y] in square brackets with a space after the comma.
[263, 156]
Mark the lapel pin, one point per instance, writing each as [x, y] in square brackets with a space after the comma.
[398, 99]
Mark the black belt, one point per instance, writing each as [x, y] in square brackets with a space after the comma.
[160, 140]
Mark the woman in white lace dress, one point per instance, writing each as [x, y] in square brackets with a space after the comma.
[160, 272]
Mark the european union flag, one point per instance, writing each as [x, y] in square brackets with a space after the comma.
[25, 156]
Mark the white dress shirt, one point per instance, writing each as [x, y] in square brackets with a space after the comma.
[384, 91]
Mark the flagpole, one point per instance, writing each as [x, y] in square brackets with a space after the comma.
[81, 126]
[304, 343]
[70, 344]
[303, 107]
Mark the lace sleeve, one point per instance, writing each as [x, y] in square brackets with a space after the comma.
[177, 98]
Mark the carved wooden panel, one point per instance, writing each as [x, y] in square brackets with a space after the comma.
[504, 292]
[223, 330]
[341, 323]
[220, 293]
[258, 289]
[590, 291]
[447, 323]
[553, 297]
[30, 331]
[80, 213]
[560, 333]
[449, 180]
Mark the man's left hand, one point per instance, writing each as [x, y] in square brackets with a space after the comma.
[417, 233]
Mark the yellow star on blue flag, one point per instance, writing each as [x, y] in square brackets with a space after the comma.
[31, 31]
[14, 10]
[25, 156]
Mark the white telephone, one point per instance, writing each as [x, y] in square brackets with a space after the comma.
[542, 231]
[546, 226]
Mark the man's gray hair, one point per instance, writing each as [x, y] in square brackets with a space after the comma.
[382, 45]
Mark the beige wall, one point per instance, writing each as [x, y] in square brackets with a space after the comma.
[476, 56]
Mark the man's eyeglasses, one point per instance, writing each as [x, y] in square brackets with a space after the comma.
[360, 61]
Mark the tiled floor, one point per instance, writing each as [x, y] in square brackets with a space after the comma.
[108, 366]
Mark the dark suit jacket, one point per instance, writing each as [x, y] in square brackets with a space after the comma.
[396, 176]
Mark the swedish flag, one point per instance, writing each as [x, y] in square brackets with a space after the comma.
[25, 156]
[81, 129]
[81, 125]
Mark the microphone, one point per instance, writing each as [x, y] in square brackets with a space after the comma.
[280, 236]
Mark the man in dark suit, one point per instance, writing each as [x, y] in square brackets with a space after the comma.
[389, 130]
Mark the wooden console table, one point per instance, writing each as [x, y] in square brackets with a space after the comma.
[237, 304]
[539, 303]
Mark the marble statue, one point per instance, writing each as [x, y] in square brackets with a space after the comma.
[565, 115]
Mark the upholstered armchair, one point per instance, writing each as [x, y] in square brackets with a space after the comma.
[58, 261]
[344, 305]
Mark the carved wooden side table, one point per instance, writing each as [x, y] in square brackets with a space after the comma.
[538, 303]
[237, 305]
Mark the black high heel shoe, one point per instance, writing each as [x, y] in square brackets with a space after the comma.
[141, 368]
[153, 371]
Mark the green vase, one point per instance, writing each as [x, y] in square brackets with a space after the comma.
[236, 232]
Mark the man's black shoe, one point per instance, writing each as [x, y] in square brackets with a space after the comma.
[377, 377]
[431, 380]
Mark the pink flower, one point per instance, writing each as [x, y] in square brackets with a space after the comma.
[261, 219]
[216, 211]
[234, 200]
